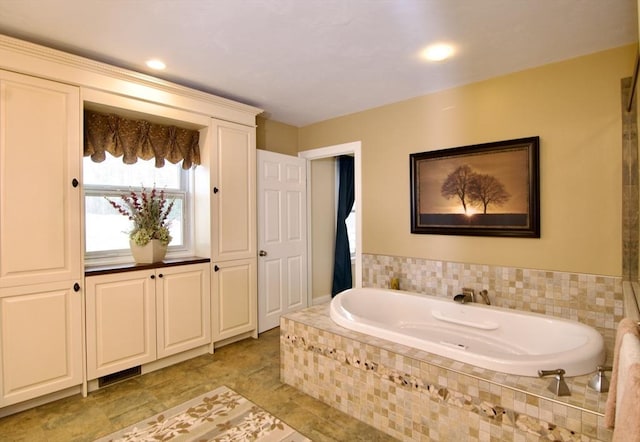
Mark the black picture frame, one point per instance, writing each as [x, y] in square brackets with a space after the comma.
[490, 189]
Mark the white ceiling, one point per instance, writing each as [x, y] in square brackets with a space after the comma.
[304, 61]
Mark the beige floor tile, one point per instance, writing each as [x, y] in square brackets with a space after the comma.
[251, 367]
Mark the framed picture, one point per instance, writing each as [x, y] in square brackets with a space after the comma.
[490, 189]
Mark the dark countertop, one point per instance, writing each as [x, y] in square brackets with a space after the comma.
[94, 270]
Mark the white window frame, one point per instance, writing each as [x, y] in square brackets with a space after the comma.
[186, 192]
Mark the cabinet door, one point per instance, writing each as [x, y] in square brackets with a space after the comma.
[233, 216]
[121, 321]
[39, 159]
[234, 298]
[183, 301]
[40, 341]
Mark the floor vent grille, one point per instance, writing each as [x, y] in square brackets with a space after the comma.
[119, 376]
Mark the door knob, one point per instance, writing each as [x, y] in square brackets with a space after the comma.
[262, 253]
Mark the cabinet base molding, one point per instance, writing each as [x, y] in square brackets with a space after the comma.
[250, 334]
[174, 359]
[32, 403]
[159, 364]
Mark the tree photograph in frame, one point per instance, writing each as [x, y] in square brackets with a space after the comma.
[489, 189]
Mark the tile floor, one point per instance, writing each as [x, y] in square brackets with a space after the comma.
[250, 367]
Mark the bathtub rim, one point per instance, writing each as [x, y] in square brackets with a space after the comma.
[509, 366]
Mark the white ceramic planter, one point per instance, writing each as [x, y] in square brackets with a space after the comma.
[153, 251]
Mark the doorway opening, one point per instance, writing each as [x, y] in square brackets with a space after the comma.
[321, 229]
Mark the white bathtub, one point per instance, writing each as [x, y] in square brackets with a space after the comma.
[494, 338]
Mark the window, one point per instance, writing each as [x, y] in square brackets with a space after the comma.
[350, 220]
[351, 230]
[105, 229]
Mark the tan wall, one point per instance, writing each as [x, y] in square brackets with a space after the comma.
[574, 106]
[323, 213]
[276, 137]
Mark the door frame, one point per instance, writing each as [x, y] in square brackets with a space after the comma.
[352, 148]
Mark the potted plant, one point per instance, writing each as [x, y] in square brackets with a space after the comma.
[149, 212]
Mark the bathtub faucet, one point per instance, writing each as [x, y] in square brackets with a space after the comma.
[558, 385]
[468, 295]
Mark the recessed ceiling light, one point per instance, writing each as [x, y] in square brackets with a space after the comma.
[156, 64]
[438, 52]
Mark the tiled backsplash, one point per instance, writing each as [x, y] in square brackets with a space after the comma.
[591, 299]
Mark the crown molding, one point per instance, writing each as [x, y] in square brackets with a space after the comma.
[61, 58]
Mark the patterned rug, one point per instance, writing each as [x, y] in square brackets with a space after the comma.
[220, 415]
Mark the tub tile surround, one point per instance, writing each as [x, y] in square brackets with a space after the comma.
[415, 395]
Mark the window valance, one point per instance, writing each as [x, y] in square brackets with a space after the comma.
[133, 139]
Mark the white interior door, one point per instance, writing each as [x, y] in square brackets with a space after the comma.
[282, 237]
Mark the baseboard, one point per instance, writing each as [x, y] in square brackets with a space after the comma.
[321, 300]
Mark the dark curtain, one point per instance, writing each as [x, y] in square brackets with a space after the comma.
[342, 279]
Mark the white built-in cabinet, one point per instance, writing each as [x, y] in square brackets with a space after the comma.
[233, 216]
[234, 288]
[51, 326]
[121, 321]
[137, 317]
[233, 231]
[183, 308]
[40, 256]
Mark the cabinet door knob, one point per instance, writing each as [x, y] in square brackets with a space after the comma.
[75, 182]
[152, 276]
[160, 275]
[262, 253]
[216, 190]
[216, 268]
[76, 287]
